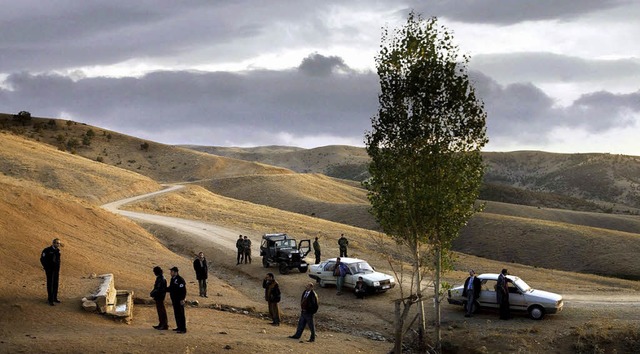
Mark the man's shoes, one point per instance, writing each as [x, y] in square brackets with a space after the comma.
[339, 293]
[204, 295]
[51, 303]
[156, 327]
[294, 337]
[311, 340]
[275, 323]
[162, 328]
[467, 315]
[182, 331]
[176, 329]
[56, 300]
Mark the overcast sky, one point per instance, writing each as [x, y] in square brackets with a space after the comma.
[554, 75]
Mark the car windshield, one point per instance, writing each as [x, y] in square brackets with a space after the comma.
[361, 267]
[286, 243]
[524, 287]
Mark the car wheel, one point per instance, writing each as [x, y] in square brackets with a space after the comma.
[536, 312]
[303, 269]
[283, 268]
[265, 262]
[322, 283]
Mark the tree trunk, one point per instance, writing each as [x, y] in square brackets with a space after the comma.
[436, 288]
[397, 347]
[423, 321]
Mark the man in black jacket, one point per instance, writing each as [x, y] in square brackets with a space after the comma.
[273, 296]
[50, 260]
[309, 307]
[240, 248]
[502, 294]
[472, 291]
[158, 294]
[178, 293]
[201, 268]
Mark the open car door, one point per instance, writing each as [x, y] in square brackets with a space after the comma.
[304, 247]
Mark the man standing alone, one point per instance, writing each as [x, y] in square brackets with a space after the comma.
[272, 296]
[50, 260]
[158, 294]
[316, 250]
[471, 291]
[202, 273]
[178, 291]
[309, 306]
[502, 294]
[343, 243]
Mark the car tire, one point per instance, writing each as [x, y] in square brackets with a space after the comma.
[283, 268]
[265, 262]
[536, 312]
[303, 269]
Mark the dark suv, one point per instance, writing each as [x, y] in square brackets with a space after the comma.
[283, 250]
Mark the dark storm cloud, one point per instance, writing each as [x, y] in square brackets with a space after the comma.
[257, 107]
[509, 12]
[523, 113]
[250, 103]
[56, 35]
[549, 67]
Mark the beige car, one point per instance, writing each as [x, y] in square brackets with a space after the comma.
[522, 297]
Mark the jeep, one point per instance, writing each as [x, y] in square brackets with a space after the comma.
[283, 250]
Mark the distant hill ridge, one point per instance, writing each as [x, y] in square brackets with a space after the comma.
[590, 182]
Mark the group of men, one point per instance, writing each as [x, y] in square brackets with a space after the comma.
[308, 306]
[243, 245]
[471, 291]
[177, 288]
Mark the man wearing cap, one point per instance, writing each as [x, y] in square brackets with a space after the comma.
[50, 260]
[178, 291]
[472, 291]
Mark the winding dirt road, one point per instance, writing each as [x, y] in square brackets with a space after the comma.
[223, 237]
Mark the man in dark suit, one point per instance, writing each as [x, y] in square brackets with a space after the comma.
[201, 267]
[178, 293]
[50, 260]
[158, 294]
[309, 307]
[472, 291]
[502, 294]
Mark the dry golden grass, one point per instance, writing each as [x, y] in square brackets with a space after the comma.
[89, 180]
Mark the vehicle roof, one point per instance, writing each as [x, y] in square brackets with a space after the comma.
[494, 276]
[346, 260]
[280, 236]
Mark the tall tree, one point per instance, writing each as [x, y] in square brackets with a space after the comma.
[425, 147]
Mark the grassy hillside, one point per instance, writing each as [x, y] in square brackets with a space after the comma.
[163, 163]
[588, 182]
[307, 194]
[339, 161]
[25, 159]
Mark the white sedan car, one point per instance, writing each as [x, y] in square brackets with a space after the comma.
[374, 281]
[521, 297]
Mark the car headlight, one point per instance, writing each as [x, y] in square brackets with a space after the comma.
[376, 283]
[290, 255]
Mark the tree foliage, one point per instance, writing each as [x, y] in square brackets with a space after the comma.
[425, 143]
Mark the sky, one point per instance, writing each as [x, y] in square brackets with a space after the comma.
[554, 75]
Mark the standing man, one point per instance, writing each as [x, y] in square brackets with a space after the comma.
[240, 247]
[472, 291]
[309, 306]
[272, 296]
[316, 250]
[50, 260]
[158, 294]
[344, 244]
[202, 273]
[502, 294]
[246, 245]
[340, 271]
[178, 292]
